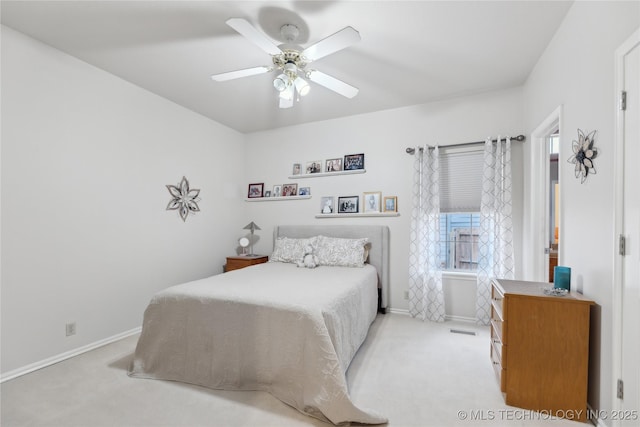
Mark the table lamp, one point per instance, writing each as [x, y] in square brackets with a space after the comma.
[251, 226]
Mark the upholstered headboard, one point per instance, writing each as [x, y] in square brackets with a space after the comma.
[378, 236]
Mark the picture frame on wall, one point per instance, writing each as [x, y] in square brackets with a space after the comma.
[371, 201]
[289, 190]
[297, 169]
[327, 205]
[353, 162]
[348, 204]
[333, 165]
[390, 204]
[304, 191]
[314, 166]
[277, 191]
[267, 193]
[255, 190]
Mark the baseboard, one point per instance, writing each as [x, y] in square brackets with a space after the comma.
[398, 311]
[461, 319]
[66, 355]
[598, 422]
[447, 317]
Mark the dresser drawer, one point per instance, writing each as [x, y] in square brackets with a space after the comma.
[498, 347]
[497, 302]
[498, 368]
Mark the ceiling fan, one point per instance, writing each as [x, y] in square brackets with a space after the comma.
[291, 61]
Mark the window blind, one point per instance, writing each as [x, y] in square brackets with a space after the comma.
[461, 179]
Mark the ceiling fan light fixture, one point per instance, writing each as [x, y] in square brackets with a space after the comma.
[286, 97]
[281, 83]
[287, 93]
[302, 86]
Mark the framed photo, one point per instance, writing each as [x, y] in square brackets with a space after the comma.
[297, 169]
[267, 193]
[372, 201]
[314, 167]
[304, 191]
[277, 190]
[391, 204]
[289, 190]
[255, 190]
[327, 205]
[348, 204]
[333, 165]
[353, 162]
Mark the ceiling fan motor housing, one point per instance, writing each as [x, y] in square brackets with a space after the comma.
[289, 56]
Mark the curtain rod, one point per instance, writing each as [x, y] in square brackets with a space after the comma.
[411, 150]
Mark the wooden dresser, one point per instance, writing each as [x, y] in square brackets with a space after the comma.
[238, 262]
[540, 347]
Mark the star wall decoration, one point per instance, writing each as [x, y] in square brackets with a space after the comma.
[184, 200]
[583, 155]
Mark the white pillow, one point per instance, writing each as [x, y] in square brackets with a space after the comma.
[290, 250]
[335, 251]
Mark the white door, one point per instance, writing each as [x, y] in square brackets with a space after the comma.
[628, 263]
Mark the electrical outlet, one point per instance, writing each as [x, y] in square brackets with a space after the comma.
[70, 328]
[406, 295]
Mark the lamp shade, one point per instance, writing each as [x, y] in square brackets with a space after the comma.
[302, 86]
[251, 226]
[280, 82]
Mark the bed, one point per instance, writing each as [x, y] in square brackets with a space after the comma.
[276, 327]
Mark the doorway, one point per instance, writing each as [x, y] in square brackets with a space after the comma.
[546, 201]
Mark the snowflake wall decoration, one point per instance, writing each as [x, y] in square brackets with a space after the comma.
[183, 200]
[583, 155]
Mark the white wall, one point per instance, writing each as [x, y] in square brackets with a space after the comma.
[85, 234]
[383, 138]
[577, 72]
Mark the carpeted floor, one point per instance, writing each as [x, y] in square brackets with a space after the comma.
[415, 373]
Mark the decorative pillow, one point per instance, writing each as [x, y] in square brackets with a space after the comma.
[335, 251]
[290, 250]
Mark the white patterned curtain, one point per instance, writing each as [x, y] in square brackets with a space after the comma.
[426, 299]
[495, 259]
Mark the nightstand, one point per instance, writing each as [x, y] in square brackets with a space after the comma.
[238, 262]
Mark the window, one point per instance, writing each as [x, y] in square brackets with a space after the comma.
[460, 193]
[459, 234]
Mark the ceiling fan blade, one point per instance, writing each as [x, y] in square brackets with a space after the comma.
[335, 42]
[332, 83]
[254, 36]
[240, 73]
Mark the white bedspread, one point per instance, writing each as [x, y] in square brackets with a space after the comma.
[289, 331]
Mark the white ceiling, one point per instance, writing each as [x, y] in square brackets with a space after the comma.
[411, 52]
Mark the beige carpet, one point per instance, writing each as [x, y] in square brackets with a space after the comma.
[416, 373]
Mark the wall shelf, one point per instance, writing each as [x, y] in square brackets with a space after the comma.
[277, 199]
[359, 215]
[324, 174]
